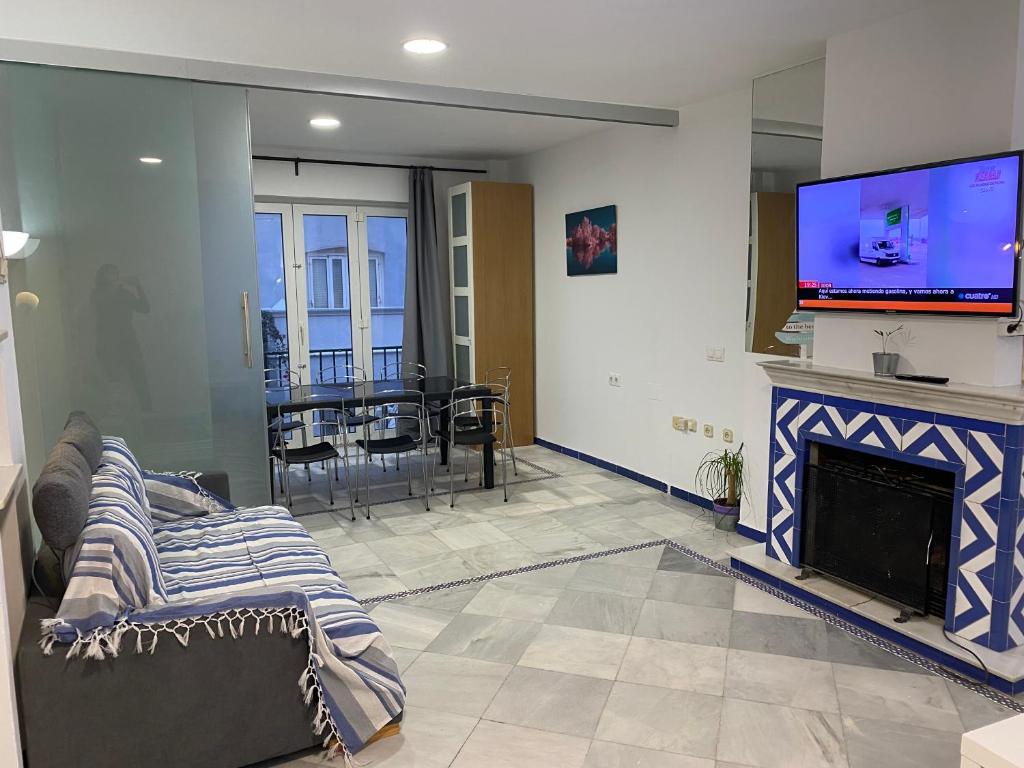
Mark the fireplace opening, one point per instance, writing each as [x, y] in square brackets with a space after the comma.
[879, 524]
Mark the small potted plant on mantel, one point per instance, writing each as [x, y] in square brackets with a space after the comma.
[886, 362]
[720, 478]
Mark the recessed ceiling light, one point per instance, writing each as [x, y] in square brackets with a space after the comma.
[151, 160]
[424, 45]
[325, 122]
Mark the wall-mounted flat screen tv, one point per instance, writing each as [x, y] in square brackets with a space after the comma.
[940, 238]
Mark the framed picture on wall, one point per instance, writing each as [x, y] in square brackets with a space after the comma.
[591, 246]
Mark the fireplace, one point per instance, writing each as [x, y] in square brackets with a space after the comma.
[878, 523]
[974, 433]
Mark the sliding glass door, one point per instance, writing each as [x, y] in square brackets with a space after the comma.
[139, 303]
[332, 289]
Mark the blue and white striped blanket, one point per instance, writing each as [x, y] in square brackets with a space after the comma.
[227, 568]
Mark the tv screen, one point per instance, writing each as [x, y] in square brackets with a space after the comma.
[938, 238]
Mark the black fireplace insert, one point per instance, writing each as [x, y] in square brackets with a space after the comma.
[879, 524]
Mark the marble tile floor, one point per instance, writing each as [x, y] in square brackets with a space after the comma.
[648, 659]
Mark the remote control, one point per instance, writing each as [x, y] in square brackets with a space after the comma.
[923, 379]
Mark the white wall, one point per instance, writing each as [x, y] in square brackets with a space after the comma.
[682, 197]
[929, 85]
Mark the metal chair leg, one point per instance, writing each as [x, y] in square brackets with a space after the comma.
[507, 429]
[426, 489]
[330, 485]
[366, 470]
[408, 471]
[348, 483]
[504, 476]
[451, 475]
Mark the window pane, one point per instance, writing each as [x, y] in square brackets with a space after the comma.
[461, 266]
[330, 328]
[374, 295]
[318, 283]
[386, 242]
[273, 302]
[459, 215]
[462, 316]
[338, 269]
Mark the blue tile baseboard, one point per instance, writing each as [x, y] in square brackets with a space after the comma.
[751, 533]
[693, 498]
[883, 631]
[606, 465]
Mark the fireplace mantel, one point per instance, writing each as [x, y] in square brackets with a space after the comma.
[1001, 404]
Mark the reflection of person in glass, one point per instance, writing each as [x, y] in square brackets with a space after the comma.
[117, 347]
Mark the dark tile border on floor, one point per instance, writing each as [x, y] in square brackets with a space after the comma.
[960, 674]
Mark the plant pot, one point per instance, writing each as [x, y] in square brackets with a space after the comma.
[886, 363]
[726, 517]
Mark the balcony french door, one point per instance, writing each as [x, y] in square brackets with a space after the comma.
[332, 289]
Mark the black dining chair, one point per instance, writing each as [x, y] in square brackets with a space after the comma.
[317, 453]
[473, 420]
[404, 428]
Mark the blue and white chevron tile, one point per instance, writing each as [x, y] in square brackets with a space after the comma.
[935, 441]
[780, 541]
[866, 428]
[787, 420]
[1016, 623]
[972, 619]
[784, 480]
[983, 477]
[979, 528]
[820, 419]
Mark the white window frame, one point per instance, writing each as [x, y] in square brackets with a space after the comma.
[356, 284]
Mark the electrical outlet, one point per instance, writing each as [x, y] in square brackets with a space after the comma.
[709, 430]
[715, 354]
[691, 425]
[614, 380]
[679, 423]
[727, 435]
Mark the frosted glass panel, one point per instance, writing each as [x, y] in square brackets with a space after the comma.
[459, 215]
[461, 258]
[140, 267]
[462, 316]
[462, 370]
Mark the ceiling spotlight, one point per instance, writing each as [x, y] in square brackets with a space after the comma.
[151, 160]
[424, 45]
[325, 122]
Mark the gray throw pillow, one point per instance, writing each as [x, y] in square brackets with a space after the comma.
[60, 497]
[81, 432]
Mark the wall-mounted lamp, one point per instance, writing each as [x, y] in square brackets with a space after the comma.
[15, 245]
[18, 245]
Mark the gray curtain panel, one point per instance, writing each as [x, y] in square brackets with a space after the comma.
[427, 335]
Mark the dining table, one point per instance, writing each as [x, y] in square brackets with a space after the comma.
[435, 390]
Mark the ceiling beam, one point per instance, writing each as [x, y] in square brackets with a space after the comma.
[76, 57]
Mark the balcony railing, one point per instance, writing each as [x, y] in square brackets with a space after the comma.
[323, 363]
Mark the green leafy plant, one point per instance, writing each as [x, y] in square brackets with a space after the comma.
[720, 476]
[886, 335]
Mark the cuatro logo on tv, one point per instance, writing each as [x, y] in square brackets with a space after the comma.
[987, 174]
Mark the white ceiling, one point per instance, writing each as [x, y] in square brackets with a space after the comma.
[649, 52]
[280, 120]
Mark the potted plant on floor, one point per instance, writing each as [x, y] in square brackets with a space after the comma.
[720, 478]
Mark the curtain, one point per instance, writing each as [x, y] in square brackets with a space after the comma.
[427, 336]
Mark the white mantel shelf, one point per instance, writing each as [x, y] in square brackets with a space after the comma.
[1000, 404]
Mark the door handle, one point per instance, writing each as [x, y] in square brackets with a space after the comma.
[246, 331]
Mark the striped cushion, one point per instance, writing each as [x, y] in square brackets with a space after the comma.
[117, 568]
[174, 497]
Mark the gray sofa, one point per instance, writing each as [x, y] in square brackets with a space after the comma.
[217, 704]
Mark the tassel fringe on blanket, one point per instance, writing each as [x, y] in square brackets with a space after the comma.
[106, 642]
